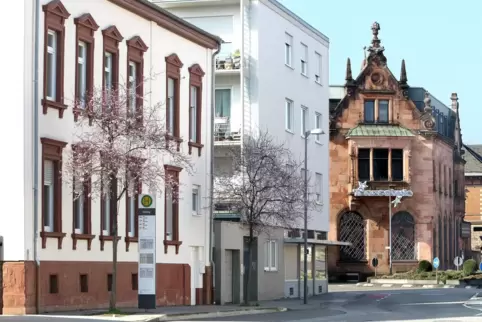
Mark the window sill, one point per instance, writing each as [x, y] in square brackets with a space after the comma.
[59, 106]
[78, 111]
[319, 203]
[87, 237]
[289, 66]
[318, 82]
[289, 131]
[305, 75]
[318, 142]
[196, 214]
[176, 139]
[103, 239]
[175, 243]
[197, 145]
[270, 270]
[45, 234]
[128, 240]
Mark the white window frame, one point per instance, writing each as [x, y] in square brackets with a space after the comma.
[319, 188]
[195, 200]
[270, 246]
[304, 120]
[169, 214]
[131, 211]
[79, 207]
[49, 181]
[108, 76]
[319, 62]
[82, 75]
[171, 103]
[193, 107]
[288, 50]
[304, 60]
[51, 78]
[289, 115]
[106, 205]
[318, 125]
[132, 86]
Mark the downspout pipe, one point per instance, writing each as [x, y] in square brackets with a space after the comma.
[35, 107]
[211, 197]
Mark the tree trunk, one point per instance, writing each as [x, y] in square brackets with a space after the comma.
[249, 267]
[115, 203]
[113, 293]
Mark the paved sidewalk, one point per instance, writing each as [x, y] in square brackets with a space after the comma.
[392, 285]
[200, 311]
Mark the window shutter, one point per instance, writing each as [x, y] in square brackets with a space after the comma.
[48, 172]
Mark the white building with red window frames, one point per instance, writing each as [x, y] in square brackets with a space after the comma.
[49, 261]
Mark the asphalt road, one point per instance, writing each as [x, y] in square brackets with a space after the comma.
[383, 305]
[352, 304]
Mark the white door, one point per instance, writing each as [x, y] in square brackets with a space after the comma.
[228, 287]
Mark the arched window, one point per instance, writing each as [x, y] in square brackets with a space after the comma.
[352, 229]
[403, 236]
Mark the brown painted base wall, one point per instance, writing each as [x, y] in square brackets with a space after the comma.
[19, 295]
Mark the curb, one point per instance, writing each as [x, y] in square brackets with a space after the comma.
[175, 317]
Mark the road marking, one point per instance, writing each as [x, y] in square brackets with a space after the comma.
[407, 285]
[387, 285]
[428, 286]
[381, 299]
[434, 303]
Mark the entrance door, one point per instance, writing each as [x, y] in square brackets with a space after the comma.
[253, 279]
[228, 271]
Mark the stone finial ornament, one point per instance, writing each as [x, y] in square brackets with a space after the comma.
[348, 76]
[428, 121]
[375, 50]
[403, 73]
[427, 103]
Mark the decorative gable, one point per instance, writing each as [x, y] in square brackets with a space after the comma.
[137, 43]
[113, 33]
[173, 59]
[196, 70]
[57, 8]
[86, 20]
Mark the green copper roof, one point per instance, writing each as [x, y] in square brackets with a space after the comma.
[379, 130]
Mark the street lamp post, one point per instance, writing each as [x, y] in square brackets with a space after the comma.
[305, 200]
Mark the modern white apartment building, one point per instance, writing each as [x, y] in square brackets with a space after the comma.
[47, 261]
[271, 74]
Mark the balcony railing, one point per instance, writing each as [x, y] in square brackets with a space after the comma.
[223, 132]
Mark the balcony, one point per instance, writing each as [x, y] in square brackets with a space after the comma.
[223, 135]
[228, 61]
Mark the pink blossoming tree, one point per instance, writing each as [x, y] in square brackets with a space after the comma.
[120, 143]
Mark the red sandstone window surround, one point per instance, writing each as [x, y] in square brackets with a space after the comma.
[171, 208]
[54, 55]
[110, 63]
[173, 79]
[52, 191]
[84, 62]
[196, 75]
[132, 207]
[82, 209]
[135, 72]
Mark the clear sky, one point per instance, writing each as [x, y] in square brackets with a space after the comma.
[440, 41]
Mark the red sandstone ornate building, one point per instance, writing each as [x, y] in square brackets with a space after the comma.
[390, 139]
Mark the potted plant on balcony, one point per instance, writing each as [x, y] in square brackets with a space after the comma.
[237, 59]
[219, 63]
[228, 63]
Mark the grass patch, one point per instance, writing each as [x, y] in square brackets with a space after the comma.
[442, 275]
[115, 312]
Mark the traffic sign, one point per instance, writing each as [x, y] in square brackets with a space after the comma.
[480, 266]
[458, 261]
[375, 262]
[436, 263]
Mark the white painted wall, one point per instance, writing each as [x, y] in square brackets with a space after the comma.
[276, 82]
[193, 229]
[15, 131]
[268, 81]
